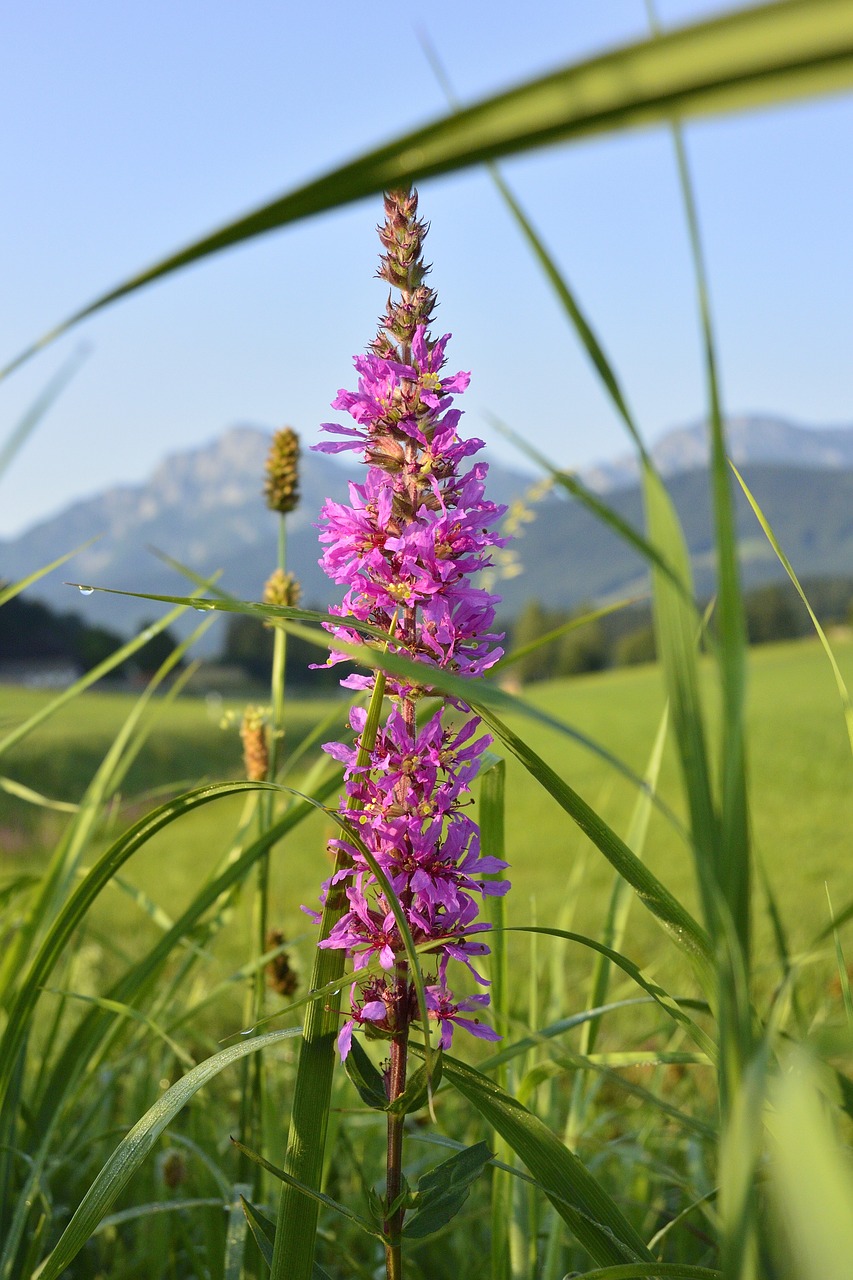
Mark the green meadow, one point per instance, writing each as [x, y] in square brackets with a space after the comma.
[799, 752]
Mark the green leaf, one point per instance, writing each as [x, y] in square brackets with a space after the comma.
[620, 896]
[677, 640]
[741, 60]
[225, 603]
[315, 1195]
[261, 1228]
[132, 1150]
[418, 1089]
[136, 1015]
[515, 655]
[594, 1218]
[264, 1232]
[29, 796]
[365, 1077]
[148, 1210]
[593, 503]
[729, 855]
[444, 1189]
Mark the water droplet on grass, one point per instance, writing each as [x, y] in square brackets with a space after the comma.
[86, 591]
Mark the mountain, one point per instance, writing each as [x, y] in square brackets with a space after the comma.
[569, 556]
[204, 508]
[750, 438]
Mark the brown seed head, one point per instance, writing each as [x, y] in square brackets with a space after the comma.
[281, 487]
[256, 755]
[173, 1169]
[280, 976]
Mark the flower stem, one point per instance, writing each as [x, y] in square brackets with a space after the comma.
[393, 1224]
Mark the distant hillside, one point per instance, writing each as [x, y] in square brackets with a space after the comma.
[204, 508]
[750, 438]
[570, 556]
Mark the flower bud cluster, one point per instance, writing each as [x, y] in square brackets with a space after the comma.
[405, 548]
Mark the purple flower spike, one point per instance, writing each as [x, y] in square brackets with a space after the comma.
[416, 530]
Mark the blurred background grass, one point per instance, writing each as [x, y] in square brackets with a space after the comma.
[802, 811]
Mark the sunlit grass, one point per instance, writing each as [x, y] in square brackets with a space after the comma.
[798, 749]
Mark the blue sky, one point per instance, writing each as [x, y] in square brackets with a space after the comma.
[131, 129]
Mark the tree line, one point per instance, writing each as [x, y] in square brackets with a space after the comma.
[774, 611]
[31, 630]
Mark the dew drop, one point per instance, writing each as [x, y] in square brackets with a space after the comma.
[86, 591]
[250, 1031]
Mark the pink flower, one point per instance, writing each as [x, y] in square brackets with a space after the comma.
[406, 548]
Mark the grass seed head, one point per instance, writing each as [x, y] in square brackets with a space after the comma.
[281, 487]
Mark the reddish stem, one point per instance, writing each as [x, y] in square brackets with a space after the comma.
[393, 1224]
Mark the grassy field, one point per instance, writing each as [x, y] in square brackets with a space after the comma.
[802, 809]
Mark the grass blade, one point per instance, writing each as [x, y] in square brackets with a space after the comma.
[658, 994]
[326, 1201]
[12, 738]
[309, 1117]
[476, 693]
[13, 589]
[789, 569]
[811, 1179]
[235, 1239]
[620, 897]
[592, 1216]
[78, 903]
[673, 1270]
[591, 501]
[654, 895]
[676, 633]
[733, 862]
[133, 1149]
[515, 655]
[22, 430]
